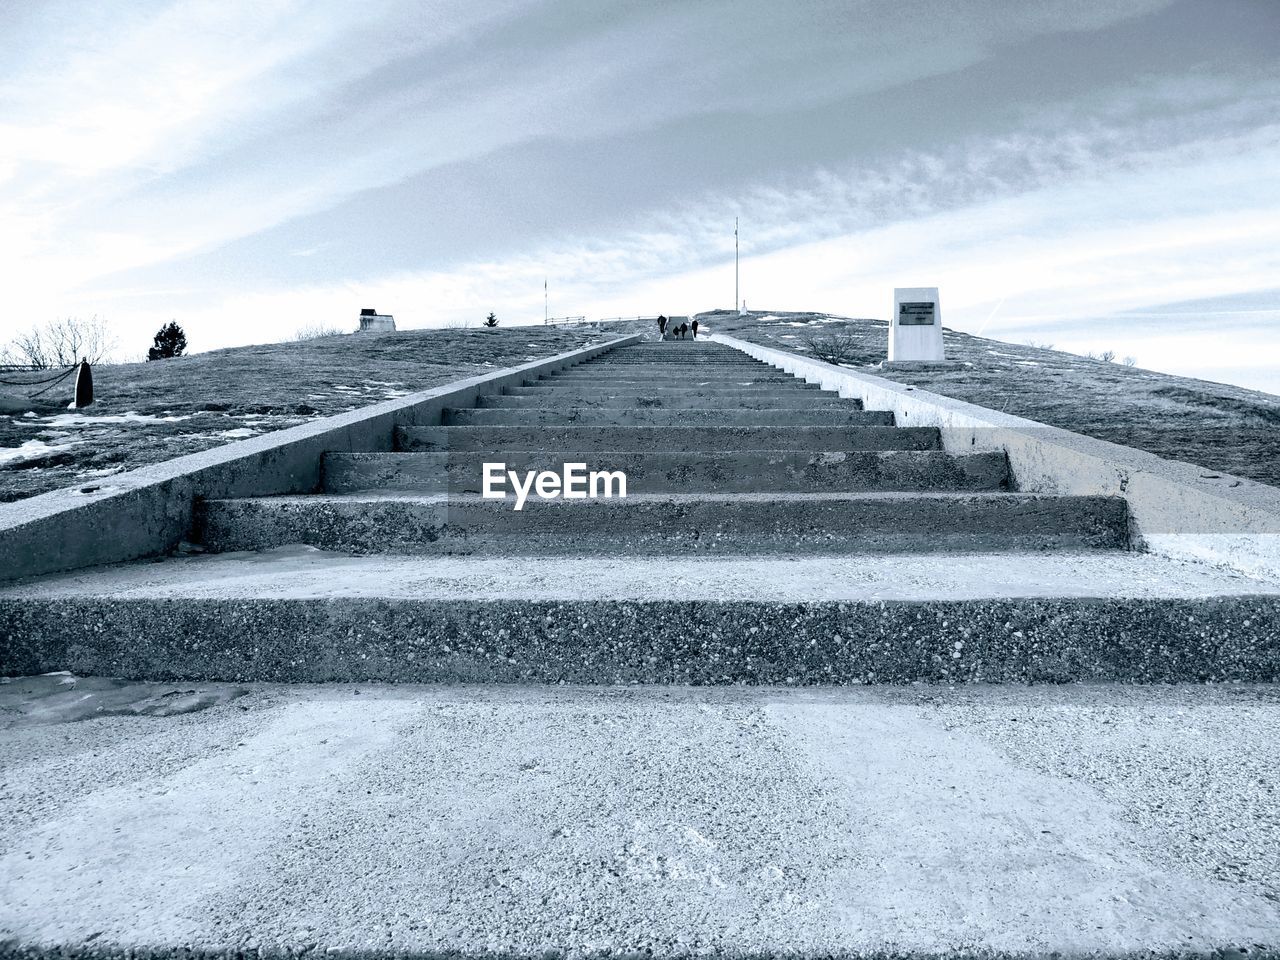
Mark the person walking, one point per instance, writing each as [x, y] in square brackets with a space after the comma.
[662, 328]
[695, 328]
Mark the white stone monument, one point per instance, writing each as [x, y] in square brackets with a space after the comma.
[371, 321]
[915, 330]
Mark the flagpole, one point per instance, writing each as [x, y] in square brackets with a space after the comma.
[736, 308]
[545, 314]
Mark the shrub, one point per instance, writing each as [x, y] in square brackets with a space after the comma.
[170, 341]
[491, 320]
[314, 331]
[834, 348]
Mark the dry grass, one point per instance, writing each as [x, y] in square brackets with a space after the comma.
[263, 388]
[216, 397]
[1220, 427]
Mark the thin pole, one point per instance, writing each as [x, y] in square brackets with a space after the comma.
[545, 315]
[735, 264]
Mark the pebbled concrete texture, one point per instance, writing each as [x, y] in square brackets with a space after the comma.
[309, 616]
[690, 401]
[742, 471]
[641, 438]
[554, 388]
[807, 415]
[643, 523]
[677, 822]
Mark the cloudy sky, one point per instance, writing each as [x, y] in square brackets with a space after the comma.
[1090, 173]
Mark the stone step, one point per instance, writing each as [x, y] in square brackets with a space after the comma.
[555, 388]
[763, 379]
[683, 400]
[749, 471]
[307, 615]
[655, 416]
[641, 368]
[637, 438]
[771, 523]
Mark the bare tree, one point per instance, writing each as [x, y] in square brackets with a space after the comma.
[1130, 361]
[60, 343]
[835, 348]
[1106, 356]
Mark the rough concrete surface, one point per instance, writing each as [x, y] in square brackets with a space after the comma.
[594, 620]
[737, 471]
[668, 523]
[533, 822]
[637, 438]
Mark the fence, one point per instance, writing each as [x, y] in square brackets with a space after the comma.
[48, 379]
[551, 321]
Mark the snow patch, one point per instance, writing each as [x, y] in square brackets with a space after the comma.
[131, 416]
[32, 449]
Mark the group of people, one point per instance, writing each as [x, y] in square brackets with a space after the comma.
[678, 331]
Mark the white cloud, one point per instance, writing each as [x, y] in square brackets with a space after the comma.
[134, 138]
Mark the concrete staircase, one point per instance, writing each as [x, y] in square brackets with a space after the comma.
[772, 536]
[771, 533]
[721, 455]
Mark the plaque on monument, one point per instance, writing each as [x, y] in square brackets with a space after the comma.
[915, 313]
[915, 326]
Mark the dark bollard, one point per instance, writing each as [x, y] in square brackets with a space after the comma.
[84, 385]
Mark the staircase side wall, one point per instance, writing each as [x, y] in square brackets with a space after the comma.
[148, 511]
[1177, 509]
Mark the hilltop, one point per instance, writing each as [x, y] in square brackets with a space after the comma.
[148, 412]
[1214, 425]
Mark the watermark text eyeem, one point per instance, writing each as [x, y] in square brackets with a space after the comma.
[574, 482]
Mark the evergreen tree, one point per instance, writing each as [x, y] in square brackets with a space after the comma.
[490, 321]
[170, 341]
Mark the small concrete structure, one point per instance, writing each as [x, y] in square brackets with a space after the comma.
[915, 329]
[371, 321]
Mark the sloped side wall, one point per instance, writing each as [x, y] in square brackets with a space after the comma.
[1177, 509]
[148, 511]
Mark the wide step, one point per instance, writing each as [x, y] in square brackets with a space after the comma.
[305, 615]
[686, 401]
[634, 394]
[640, 438]
[817, 414]
[554, 388]
[679, 471]
[668, 524]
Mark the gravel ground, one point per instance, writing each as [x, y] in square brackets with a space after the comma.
[679, 821]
